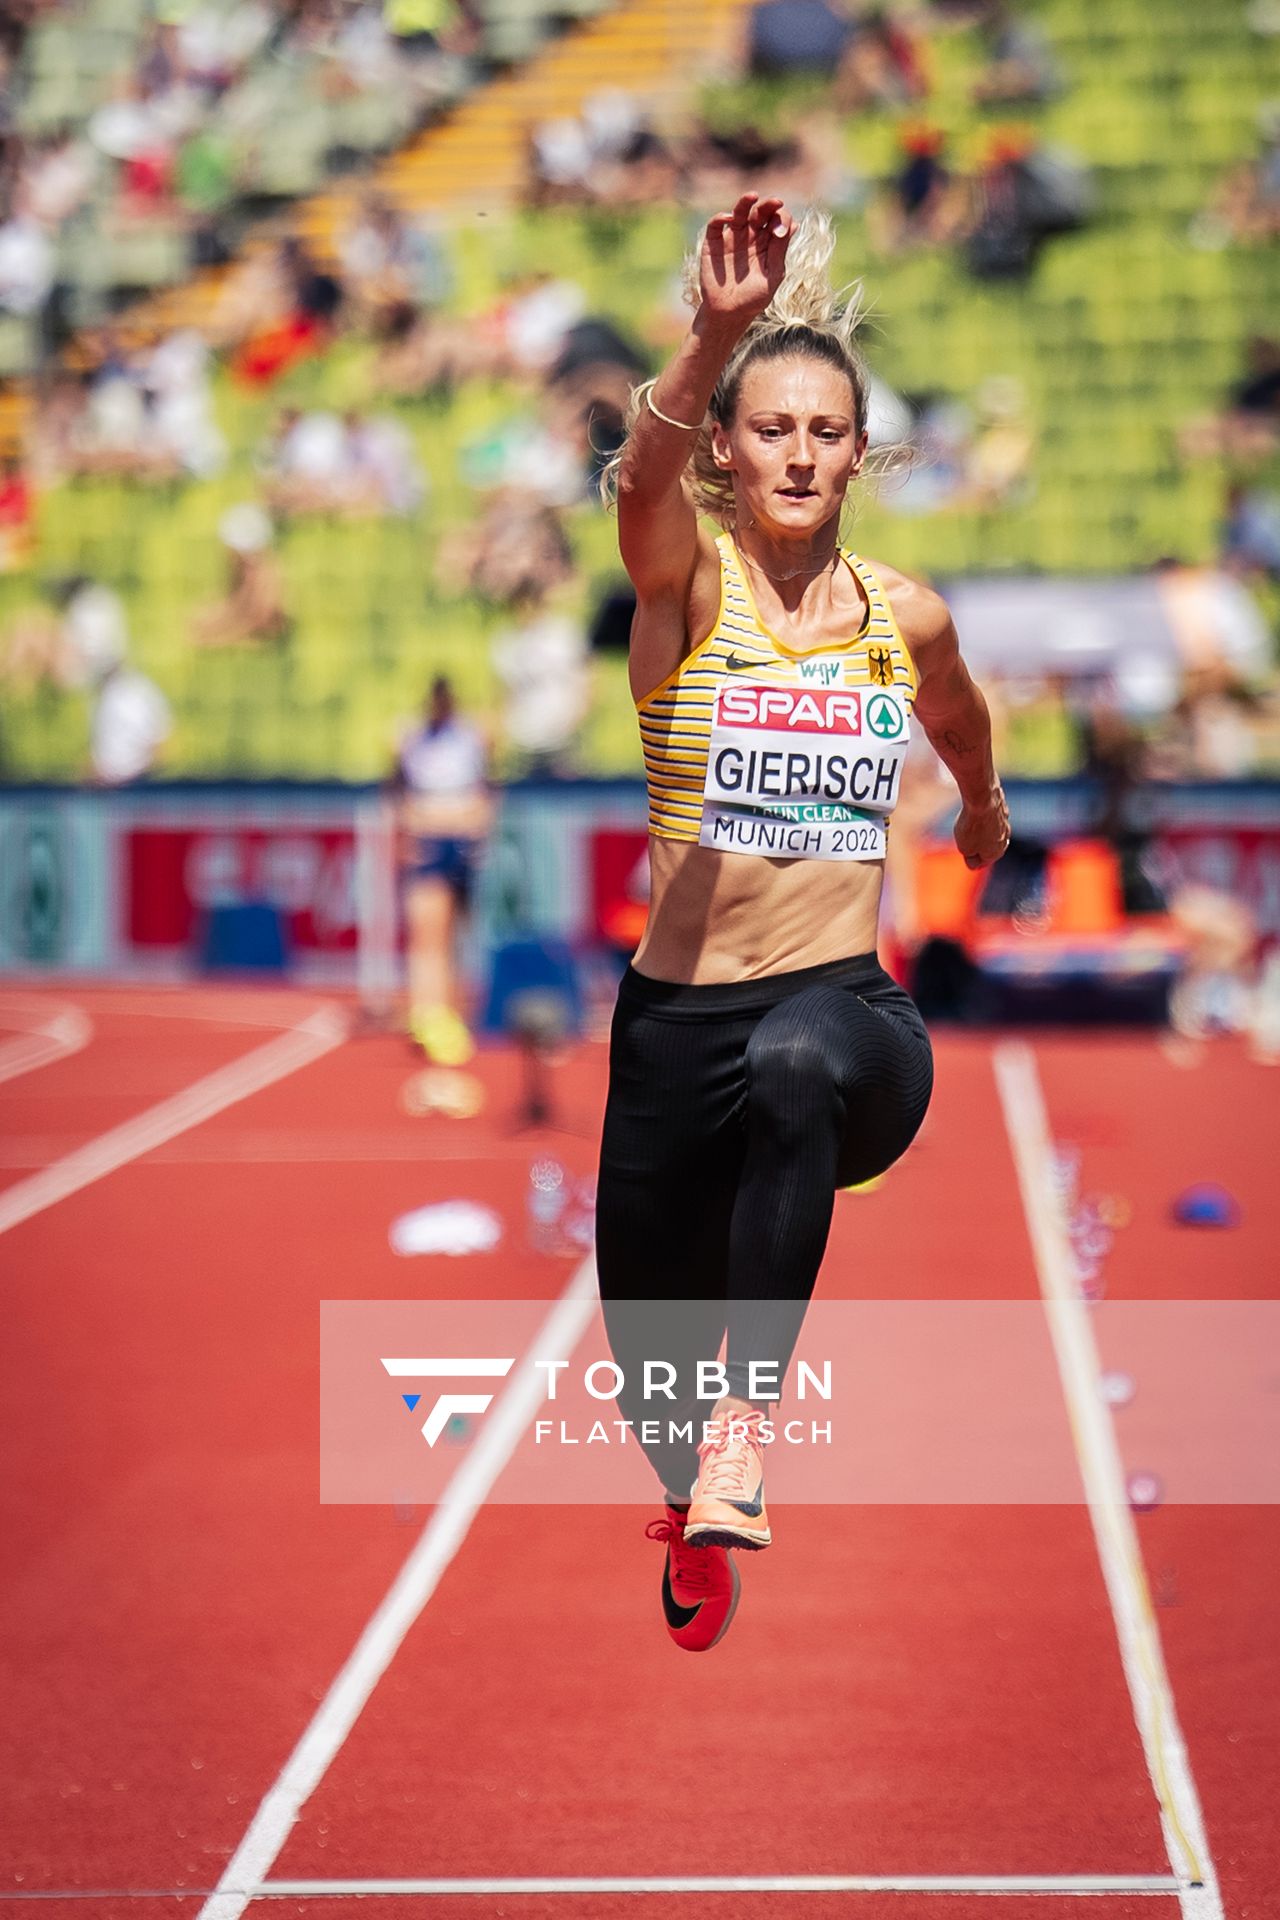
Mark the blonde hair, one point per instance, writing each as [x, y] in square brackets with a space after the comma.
[806, 316]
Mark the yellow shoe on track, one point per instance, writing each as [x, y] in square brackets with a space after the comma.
[442, 1034]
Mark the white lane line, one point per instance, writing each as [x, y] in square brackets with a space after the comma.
[1086, 1883]
[52, 1037]
[412, 1587]
[263, 1009]
[1079, 1368]
[21, 1152]
[318, 1034]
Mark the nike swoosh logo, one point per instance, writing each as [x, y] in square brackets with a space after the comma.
[735, 665]
[752, 1508]
[677, 1616]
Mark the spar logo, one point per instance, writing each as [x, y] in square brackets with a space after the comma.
[790, 709]
[884, 716]
[446, 1405]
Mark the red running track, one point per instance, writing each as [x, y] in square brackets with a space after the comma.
[906, 1690]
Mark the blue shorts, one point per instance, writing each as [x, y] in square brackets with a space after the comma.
[446, 858]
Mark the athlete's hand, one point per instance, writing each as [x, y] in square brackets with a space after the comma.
[982, 832]
[744, 256]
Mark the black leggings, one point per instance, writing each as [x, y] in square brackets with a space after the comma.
[734, 1113]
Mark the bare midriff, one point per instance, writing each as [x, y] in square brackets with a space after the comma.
[715, 916]
[462, 816]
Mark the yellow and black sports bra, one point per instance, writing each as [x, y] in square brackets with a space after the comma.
[752, 747]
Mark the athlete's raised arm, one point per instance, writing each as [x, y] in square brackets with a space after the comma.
[740, 268]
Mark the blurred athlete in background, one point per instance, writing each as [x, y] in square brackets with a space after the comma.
[446, 810]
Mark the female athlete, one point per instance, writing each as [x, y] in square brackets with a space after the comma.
[446, 810]
[760, 1057]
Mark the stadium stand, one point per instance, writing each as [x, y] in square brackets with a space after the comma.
[1122, 332]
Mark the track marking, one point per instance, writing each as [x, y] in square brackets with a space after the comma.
[1079, 1367]
[796, 1883]
[52, 1037]
[318, 1034]
[404, 1600]
[26, 1151]
[218, 1009]
[1080, 1883]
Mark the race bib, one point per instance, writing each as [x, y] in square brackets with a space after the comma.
[805, 772]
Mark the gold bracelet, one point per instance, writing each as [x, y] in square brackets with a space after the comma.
[683, 425]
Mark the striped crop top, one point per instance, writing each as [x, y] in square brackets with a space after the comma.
[752, 747]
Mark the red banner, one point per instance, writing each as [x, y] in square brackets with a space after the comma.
[176, 875]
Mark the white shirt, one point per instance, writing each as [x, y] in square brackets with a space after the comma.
[95, 634]
[451, 760]
[131, 721]
[26, 266]
[544, 667]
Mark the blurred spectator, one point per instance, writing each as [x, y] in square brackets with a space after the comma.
[26, 261]
[426, 28]
[1251, 532]
[530, 322]
[146, 416]
[425, 353]
[1214, 992]
[923, 207]
[303, 464]
[252, 608]
[796, 36]
[634, 164]
[84, 649]
[1246, 208]
[385, 476]
[1023, 193]
[16, 507]
[513, 551]
[282, 308]
[589, 389]
[130, 723]
[389, 263]
[559, 162]
[976, 458]
[1116, 762]
[175, 378]
[319, 463]
[544, 665]
[884, 64]
[1215, 621]
[940, 435]
[998, 467]
[542, 457]
[1020, 65]
[1210, 733]
[1247, 431]
[205, 185]
[74, 649]
[721, 163]
[614, 157]
[59, 173]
